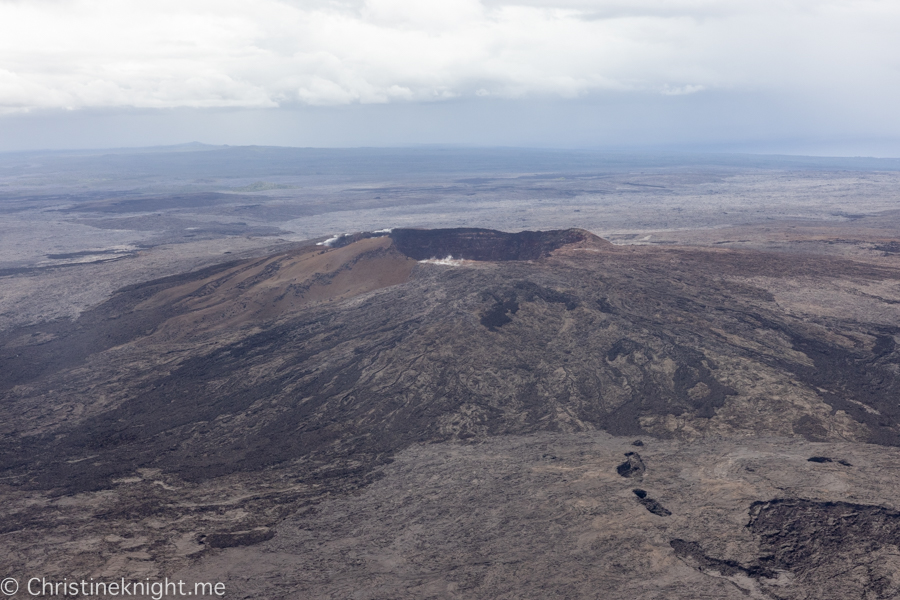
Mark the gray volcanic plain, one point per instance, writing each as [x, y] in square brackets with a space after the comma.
[452, 373]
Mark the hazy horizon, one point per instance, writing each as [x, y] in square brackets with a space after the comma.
[404, 127]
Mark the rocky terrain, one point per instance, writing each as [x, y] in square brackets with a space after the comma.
[369, 417]
[528, 374]
[547, 516]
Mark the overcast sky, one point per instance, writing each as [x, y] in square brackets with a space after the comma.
[795, 76]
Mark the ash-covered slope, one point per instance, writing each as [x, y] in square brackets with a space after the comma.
[205, 304]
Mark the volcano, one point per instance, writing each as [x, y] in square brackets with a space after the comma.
[230, 403]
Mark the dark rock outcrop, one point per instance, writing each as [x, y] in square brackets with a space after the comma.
[632, 467]
[820, 459]
[827, 459]
[506, 301]
[831, 549]
[800, 535]
[693, 554]
[650, 504]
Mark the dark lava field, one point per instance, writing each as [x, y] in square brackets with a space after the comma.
[449, 373]
[467, 413]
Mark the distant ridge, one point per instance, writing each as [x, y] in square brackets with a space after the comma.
[266, 161]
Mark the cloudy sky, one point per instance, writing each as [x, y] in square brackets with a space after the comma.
[811, 76]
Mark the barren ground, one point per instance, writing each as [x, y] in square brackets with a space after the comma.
[189, 389]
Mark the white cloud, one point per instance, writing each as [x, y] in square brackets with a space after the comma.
[681, 90]
[266, 53]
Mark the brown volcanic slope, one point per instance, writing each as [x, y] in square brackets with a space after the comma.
[255, 291]
[217, 402]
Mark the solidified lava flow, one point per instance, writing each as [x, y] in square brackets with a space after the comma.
[314, 369]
